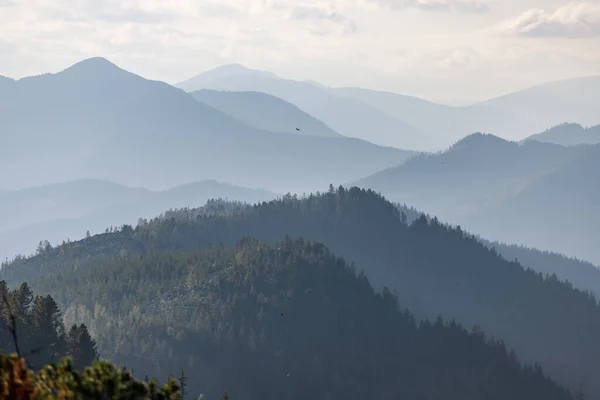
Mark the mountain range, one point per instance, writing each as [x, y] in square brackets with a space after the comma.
[408, 122]
[553, 103]
[507, 191]
[153, 278]
[346, 116]
[59, 212]
[66, 211]
[97, 121]
[569, 135]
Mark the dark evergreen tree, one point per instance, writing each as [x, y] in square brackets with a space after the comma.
[182, 379]
[81, 346]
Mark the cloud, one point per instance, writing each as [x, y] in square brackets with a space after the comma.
[336, 42]
[573, 20]
[316, 15]
[466, 6]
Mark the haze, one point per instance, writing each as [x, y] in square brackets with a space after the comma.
[450, 51]
[391, 199]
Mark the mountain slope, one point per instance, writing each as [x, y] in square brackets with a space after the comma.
[572, 100]
[5, 82]
[446, 123]
[496, 188]
[64, 200]
[58, 212]
[289, 321]
[474, 173]
[434, 269]
[569, 135]
[95, 120]
[349, 117]
[567, 197]
[580, 274]
[225, 71]
[264, 112]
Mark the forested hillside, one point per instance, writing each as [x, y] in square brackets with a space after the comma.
[506, 191]
[285, 321]
[581, 274]
[434, 269]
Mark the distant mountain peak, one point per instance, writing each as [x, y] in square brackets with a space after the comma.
[222, 72]
[237, 68]
[96, 69]
[93, 63]
[480, 139]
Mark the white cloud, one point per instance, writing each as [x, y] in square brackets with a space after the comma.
[338, 42]
[573, 20]
[468, 6]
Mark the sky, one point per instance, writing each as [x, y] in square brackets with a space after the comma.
[451, 51]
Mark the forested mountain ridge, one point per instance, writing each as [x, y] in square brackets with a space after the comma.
[434, 269]
[157, 136]
[483, 176]
[581, 274]
[290, 320]
[265, 112]
[569, 134]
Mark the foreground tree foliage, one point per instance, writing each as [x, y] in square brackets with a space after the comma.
[33, 325]
[101, 380]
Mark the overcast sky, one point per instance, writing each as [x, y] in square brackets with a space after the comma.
[443, 50]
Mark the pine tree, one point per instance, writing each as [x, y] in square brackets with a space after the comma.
[182, 384]
[22, 299]
[81, 346]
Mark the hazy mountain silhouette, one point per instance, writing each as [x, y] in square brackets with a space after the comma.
[222, 72]
[469, 176]
[265, 112]
[447, 124]
[67, 210]
[347, 116]
[406, 119]
[95, 120]
[20, 208]
[500, 190]
[571, 100]
[569, 135]
[557, 209]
